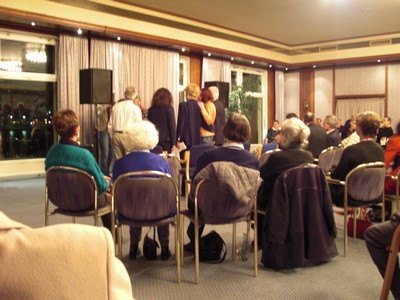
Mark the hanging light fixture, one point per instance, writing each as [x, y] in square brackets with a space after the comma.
[36, 54]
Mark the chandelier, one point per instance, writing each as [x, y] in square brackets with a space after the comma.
[11, 65]
[36, 54]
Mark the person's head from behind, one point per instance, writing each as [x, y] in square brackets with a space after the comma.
[309, 118]
[214, 91]
[330, 122]
[137, 101]
[162, 97]
[206, 95]
[291, 115]
[141, 135]
[192, 91]
[66, 124]
[130, 92]
[350, 124]
[237, 129]
[367, 124]
[294, 134]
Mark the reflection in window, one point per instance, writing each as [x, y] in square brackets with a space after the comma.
[26, 115]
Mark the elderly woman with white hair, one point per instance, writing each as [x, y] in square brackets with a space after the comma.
[293, 141]
[139, 139]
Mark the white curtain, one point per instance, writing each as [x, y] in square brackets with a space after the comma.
[74, 56]
[345, 108]
[146, 69]
[216, 70]
[279, 95]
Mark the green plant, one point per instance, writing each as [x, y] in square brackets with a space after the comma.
[240, 99]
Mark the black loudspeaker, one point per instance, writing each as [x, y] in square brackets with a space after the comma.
[95, 86]
[223, 88]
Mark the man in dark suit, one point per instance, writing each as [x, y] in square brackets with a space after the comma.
[318, 139]
[329, 124]
[220, 118]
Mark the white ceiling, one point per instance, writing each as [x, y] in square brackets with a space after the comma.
[290, 22]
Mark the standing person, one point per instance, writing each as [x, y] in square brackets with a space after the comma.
[123, 113]
[237, 130]
[272, 132]
[366, 151]
[140, 138]
[68, 153]
[330, 124]
[189, 118]
[318, 139]
[161, 113]
[106, 152]
[208, 113]
[385, 132]
[220, 118]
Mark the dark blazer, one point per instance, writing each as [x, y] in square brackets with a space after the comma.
[299, 224]
[334, 138]
[164, 120]
[276, 164]
[189, 122]
[318, 140]
[354, 155]
[238, 156]
[219, 123]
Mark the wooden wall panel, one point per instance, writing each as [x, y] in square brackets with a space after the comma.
[307, 101]
[196, 69]
[271, 97]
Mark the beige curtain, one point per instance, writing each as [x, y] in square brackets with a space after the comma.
[74, 56]
[345, 108]
[216, 70]
[145, 68]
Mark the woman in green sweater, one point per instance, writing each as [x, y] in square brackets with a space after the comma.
[68, 153]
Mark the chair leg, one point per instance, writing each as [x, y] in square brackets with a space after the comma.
[345, 232]
[73, 220]
[196, 252]
[234, 241]
[119, 229]
[255, 242]
[177, 248]
[182, 237]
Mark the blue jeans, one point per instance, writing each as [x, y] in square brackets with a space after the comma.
[106, 152]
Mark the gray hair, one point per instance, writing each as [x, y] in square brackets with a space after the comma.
[141, 135]
[294, 134]
[130, 92]
[214, 91]
[331, 120]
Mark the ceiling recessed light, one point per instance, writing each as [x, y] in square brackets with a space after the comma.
[270, 66]
[118, 38]
[379, 60]
[209, 54]
[286, 69]
[183, 49]
[232, 58]
[252, 62]
[314, 66]
[79, 31]
[33, 23]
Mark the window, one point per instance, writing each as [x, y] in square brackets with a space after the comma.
[27, 95]
[254, 82]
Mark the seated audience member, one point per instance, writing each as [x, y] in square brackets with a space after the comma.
[352, 136]
[329, 124]
[349, 127]
[271, 145]
[318, 139]
[272, 132]
[392, 160]
[139, 139]
[377, 238]
[367, 125]
[340, 127]
[208, 113]
[291, 115]
[60, 261]
[294, 135]
[385, 131]
[68, 153]
[237, 130]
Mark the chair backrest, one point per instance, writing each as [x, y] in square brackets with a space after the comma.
[70, 188]
[264, 157]
[366, 181]
[194, 154]
[145, 196]
[225, 191]
[175, 166]
[329, 158]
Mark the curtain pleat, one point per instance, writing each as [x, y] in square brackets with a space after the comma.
[216, 70]
[345, 108]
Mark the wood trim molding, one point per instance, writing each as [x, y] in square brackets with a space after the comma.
[365, 96]
[271, 97]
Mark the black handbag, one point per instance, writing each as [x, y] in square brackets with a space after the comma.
[212, 248]
[150, 246]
